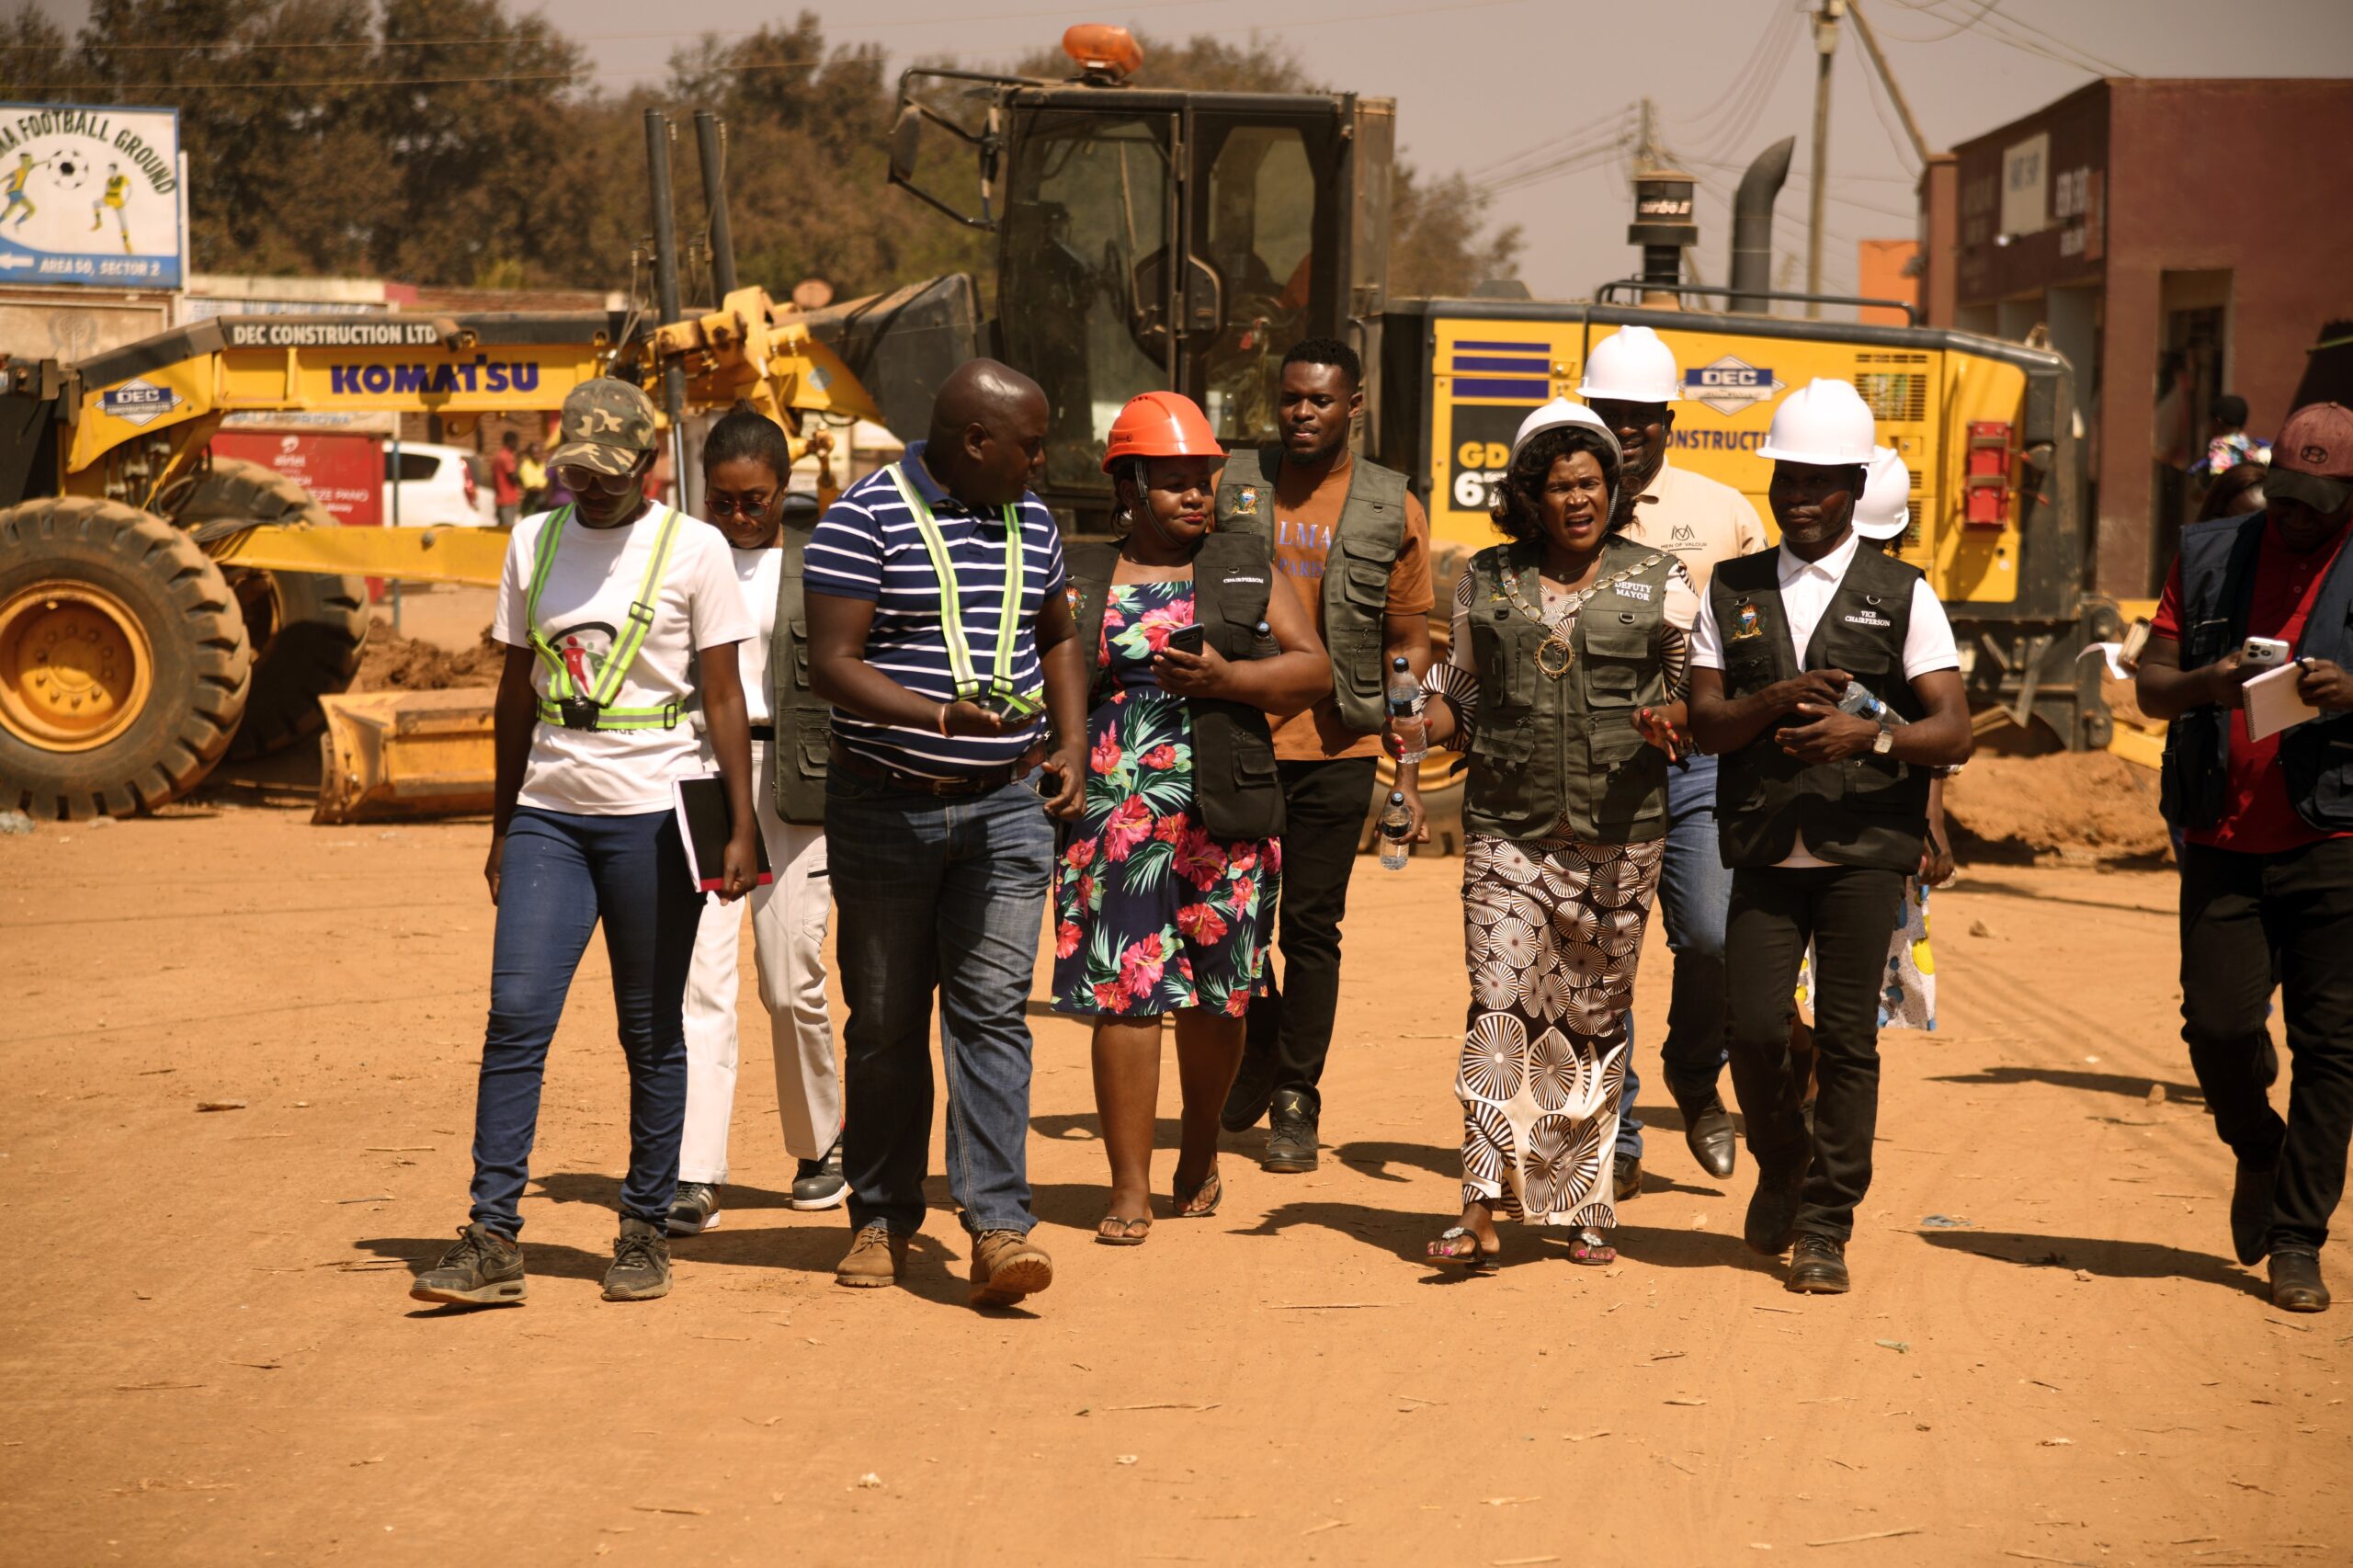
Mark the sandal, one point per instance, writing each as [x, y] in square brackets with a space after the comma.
[1202, 1202]
[1591, 1250]
[1113, 1231]
[1475, 1259]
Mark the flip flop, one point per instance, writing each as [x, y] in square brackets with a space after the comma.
[1591, 1250]
[1203, 1200]
[1478, 1260]
[1113, 1231]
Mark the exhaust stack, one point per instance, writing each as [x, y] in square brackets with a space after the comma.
[1752, 227]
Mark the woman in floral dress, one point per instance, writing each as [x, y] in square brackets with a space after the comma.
[1565, 686]
[1157, 910]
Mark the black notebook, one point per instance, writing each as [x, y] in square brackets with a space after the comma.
[703, 821]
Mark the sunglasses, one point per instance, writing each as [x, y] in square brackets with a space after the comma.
[588, 482]
[721, 505]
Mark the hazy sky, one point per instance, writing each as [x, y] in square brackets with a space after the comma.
[1494, 87]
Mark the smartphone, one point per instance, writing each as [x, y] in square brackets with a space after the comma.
[1188, 637]
[2264, 654]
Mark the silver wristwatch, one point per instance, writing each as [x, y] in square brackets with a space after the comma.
[1882, 743]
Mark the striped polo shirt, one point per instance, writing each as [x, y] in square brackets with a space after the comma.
[868, 547]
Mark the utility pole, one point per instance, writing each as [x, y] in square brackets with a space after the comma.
[1646, 151]
[1887, 78]
[1826, 46]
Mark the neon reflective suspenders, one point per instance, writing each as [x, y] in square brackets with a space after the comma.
[951, 595]
[565, 704]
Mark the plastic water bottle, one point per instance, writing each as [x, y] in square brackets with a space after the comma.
[1396, 826]
[1405, 712]
[1857, 699]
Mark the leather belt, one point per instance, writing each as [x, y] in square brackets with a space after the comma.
[981, 783]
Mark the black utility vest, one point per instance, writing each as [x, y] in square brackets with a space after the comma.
[1867, 810]
[1234, 785]
[1365, 543]
[803, 720]
[1552, 749]
[2316, 756]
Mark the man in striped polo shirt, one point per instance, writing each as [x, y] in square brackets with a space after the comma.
[939, 631]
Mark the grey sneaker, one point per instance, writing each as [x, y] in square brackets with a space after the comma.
[819, 1183]
[695, 1210]
[640, 1270]
[1291, 1133]
[484, 1269]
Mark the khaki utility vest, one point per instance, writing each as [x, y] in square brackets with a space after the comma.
[1356, 569]
[803, 720]
[1551, 750]
[1236, 789]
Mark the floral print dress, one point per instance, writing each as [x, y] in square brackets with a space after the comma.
[1151, 913]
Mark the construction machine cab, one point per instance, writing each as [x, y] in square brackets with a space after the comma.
[1151, 239]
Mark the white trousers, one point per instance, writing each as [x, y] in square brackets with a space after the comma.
[787, 940]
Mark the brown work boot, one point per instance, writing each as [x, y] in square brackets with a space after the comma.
[1006, 1266]
[876, 1255]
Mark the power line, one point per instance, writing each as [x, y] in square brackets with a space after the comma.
[1615, 120]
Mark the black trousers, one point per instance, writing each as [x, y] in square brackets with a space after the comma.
[1323, 810]
[1849, 913]
[2246, 919]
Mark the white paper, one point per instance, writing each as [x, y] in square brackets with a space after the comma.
[2273, 703]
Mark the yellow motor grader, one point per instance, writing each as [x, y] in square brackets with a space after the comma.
[158, 602]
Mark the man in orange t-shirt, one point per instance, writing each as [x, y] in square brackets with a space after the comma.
[1355, 546]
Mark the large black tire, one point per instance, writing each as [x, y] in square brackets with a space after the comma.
[307, 629]
[197, 664]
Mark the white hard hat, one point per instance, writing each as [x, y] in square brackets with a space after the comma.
[1560, 411]
[1884, 508]
[1632, 365]
[1825, 421]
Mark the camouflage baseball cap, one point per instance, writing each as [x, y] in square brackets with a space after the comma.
[608, 425]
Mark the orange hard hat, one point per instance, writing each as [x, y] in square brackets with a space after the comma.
[1161, 424]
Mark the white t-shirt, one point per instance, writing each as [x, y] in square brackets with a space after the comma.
[757, 572]
[589, 589]
[1806, 590]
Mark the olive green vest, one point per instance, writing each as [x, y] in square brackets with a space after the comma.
[1355, 568]
[803, 720]
[1549, 750]
[1237, 790]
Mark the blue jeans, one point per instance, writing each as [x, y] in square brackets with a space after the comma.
[560, 873]
[1694, 891]
[948, 894]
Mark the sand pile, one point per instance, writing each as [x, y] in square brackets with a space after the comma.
[2068, 805]
[395, 662]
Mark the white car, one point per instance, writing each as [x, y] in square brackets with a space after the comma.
[436, 486]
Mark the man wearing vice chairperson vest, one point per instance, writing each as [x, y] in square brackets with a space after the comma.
[1356, 548]
[939, 631]
[2267, 865]
[1631, 382]
[1821, 811]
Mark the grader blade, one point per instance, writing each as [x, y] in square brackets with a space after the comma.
[392, 754]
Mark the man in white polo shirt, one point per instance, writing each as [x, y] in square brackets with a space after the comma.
[1821, 811]
[1631, 382]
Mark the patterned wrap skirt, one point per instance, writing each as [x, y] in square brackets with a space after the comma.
[1552, 932]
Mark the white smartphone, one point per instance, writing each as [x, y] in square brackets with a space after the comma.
[2264, 654]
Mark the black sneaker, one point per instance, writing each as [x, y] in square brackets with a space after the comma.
[1773, 1221]
[640, 1270]
[695, 1210]
[484, 1269]
[1254, 1086]
[819, 1183]
[1290, 1131]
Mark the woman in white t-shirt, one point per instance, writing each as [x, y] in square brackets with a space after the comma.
[614, 611]
[745, 467]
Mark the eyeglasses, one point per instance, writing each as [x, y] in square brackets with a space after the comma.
[588, 482]
[722, 505]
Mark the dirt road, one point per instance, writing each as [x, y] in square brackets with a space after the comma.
[210, 1354]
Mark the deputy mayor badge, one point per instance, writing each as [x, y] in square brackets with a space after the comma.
[1245, 501]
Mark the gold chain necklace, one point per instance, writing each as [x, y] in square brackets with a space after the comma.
[1556, 644]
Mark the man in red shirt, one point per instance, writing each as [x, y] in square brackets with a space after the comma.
[2267, 865]
[505, 480]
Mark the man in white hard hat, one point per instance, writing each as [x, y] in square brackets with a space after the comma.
[1820, 813]
[1630, 381]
